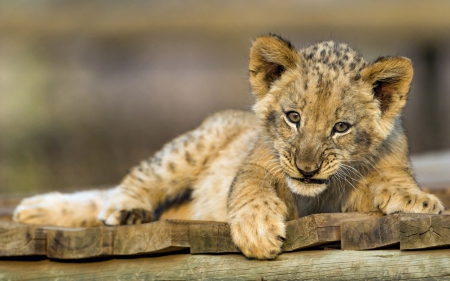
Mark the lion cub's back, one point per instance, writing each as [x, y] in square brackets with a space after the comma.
[234, 133]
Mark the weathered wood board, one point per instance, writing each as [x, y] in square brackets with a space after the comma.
[211, 238]
[409, 231]
[318, 229]
[355, 231]
[155, 237]
[373, 233]
[306, 232]
[79, 243]
[303, 265]
[21, 240]
[424, 231]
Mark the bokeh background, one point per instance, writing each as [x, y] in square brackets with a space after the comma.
[89, 88]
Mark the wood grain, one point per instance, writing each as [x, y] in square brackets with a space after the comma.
[356, 231]
[371, 233]
[211, 238]
[155, 237]
[306, 232]
[424, 231]
[304, 265]
[21, 240]
[318, 229]
[79, 243]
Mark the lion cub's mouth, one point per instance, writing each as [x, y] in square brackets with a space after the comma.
[311, 181]
[306, 186]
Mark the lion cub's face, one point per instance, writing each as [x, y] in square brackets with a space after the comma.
[324, 108]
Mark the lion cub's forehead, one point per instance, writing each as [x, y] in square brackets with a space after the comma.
[328, 78]
[333, 55]
[328, 71]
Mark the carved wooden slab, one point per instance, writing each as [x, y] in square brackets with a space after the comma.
[306, 232]
[409, 231]
[319, 229]
[373, 233]
[355, 231]
[21, 240]
[78, 243]
[424, 231]
[155, 237]
[210, 238]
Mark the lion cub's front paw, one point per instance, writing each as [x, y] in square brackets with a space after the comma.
[260, 234]
[121, 209]
[407, 200]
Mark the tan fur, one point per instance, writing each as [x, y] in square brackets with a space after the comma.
[326, 136]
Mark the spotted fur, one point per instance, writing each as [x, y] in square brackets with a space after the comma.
[326, 136]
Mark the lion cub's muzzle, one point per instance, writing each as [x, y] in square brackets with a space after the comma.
[308, 173]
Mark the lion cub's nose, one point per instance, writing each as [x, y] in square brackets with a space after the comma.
[308, 172]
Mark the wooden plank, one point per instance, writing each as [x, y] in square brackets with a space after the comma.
[78, 243]
[306, 232]
[371, 233]
[359, 231]
[424, 231]
[155, 237]
[211, 238]
[318, 229]
[21, 240]
[304, 265]
[82, 243]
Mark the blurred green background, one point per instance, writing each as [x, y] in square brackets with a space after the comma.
[89, 88]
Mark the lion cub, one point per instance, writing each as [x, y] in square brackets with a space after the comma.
[326, 136]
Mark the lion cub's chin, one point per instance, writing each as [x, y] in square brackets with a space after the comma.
[305, 189]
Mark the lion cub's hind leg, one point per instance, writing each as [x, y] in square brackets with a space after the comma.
[174, 169]
[78, 209]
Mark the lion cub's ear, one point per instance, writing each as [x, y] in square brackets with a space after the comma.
[391, 79]
[270, 57]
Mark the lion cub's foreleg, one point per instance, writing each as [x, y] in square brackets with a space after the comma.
[397, 192]
[256, 214]
[391, 191]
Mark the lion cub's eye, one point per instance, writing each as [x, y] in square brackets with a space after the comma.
[293, 116]
[341, 127]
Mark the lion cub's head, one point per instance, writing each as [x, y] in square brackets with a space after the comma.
[324, 108]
